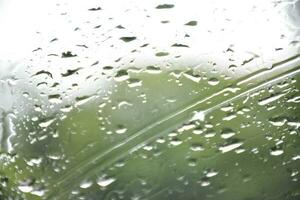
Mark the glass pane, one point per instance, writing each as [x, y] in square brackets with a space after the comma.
[151, 100]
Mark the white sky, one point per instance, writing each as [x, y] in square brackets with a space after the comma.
[250, 28]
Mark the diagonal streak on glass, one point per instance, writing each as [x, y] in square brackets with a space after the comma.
[258, 80]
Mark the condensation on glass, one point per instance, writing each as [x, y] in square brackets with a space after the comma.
[160, 100]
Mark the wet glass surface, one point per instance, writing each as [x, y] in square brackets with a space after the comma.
[151, 100]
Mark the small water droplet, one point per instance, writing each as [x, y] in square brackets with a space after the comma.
[153, 69]
[134, 82]
[205, 183]
[270, 99]
[198, 131]
[161, 54]
[213, 81]
[95, 9]
[198, 115]
[104, 182]
[277, 121]
[196, 147]
[180, 45]
[295, 99]
[276, 152]
[70, 72]
[68, 54]
[191, 23]
[232, 67]
[38, 192]
[86, 184]
[191, 76]
[43, 72]
[175, 142]
[165, 6]
[82, 100]
[211, 173]
[148, 147]
[26, 186]
[227, 108]
[160, 140]
[127, 39]
[185, 127]
[229, 117]
[192, 162]
[121, 129]
[123, 104]
[230, 147]
[227, 133]
[54, 98]
[47, 122]
[66, 109]
[122, 75]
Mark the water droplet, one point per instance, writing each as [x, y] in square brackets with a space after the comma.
[95, 9]
[227, 133]
[247, 61]
[38, 191]
[295, 99]
[192, 162]
[211, 173]
[191, 76]
[134, 82]
[175, 142]
[66, 109]
[276, 152]
[47, 122]
[104, 182]
[43, 72]
[296, 157]
[26, 186]
[86, 184]
[270, 99]
[122, 75]
[161, 54]
[198, 131]
[82, 100]
[68, 54]
[210, 134]
[232, 67]
[34, 162]
[191, 23]
[153, 69]
[180, 45]
[165, 6]
[227, 108]
[277, 121]
[148, 147]
[127, 39]
[213, 81]
[186, 127]
[205, 183]
[121, 129]
[196, 147]
[199, 115]
[229, 117]
[160, 140]
[70, 72]
[123, 104]
[54, 98]
[230, 147]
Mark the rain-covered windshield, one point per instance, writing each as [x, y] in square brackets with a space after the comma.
[158, 100]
